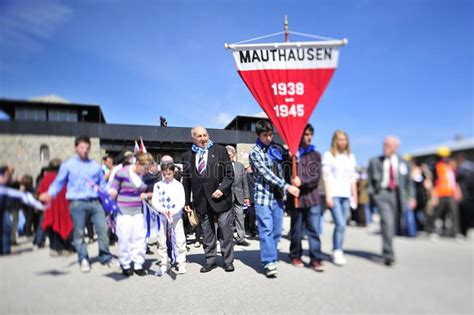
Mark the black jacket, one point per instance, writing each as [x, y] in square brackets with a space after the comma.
[219, 174]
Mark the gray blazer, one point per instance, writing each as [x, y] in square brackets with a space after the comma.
[240, 187]
[405, 184]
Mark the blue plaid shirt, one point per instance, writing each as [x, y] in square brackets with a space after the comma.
[264, 177]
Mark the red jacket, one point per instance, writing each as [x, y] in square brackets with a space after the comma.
[57, 215]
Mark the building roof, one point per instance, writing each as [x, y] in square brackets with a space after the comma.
[240, 122]
[454, 146]
[94, 125]
[121, 132]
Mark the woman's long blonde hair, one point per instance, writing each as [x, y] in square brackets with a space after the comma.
[334, 149]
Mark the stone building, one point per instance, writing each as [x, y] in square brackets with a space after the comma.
[35, 131]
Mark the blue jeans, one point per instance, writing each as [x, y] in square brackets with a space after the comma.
[6, 231]
[270, 223]
[310, 217]
[368, 214]
[321, 223]
[40, 236]
[80, 211]
[340, 213]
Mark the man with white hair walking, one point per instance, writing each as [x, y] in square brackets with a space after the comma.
[392, 190]
[208, 178]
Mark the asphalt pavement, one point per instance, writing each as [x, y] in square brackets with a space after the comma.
[430, 277]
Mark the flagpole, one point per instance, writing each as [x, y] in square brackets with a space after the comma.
[295, 164]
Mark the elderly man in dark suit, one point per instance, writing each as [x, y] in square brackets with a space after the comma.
[208, 177]
[392, 190]
[240, 196]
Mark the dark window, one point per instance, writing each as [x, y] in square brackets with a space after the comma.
[62, 115]
[253, 126]
[44, 154]
[30, 113]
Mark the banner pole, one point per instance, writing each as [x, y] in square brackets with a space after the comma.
[295, 172]
[295, 164]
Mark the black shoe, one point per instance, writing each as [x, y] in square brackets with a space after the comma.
[229, 267]
[127, 272]
[207, 268]
[140, 272]
[149, 252]
[270, 270]
[388, 262]
[243, 243]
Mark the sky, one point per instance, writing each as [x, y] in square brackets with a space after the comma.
[407, 70]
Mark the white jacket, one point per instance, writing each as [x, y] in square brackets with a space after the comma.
[168, 196]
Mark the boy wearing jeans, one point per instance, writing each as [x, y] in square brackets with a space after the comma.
[266, 159]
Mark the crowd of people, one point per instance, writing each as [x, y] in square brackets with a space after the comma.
[209, 194]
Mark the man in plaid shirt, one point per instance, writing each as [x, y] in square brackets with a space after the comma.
[266, 159]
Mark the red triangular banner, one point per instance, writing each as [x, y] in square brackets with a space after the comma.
[287, 80]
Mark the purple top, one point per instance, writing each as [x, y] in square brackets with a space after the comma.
[128, 197]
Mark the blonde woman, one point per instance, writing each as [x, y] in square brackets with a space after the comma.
[339, 175]
[129, 189]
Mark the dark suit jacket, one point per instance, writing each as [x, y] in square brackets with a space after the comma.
[219, 175]
[405, 184]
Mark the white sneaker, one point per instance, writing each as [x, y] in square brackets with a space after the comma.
[338, 258]
[112, 263]
[161, 271]
[182, 270]
[460, 238]
[270, 270]
[54, 253]
[85, 267]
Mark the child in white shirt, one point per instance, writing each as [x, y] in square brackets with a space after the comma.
[168, 199]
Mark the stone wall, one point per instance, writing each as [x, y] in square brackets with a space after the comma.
[23, 151]
[243, 150]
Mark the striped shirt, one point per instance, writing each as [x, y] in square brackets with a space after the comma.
[129, 187]
[265, 179]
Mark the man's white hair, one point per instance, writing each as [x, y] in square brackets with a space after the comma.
[395, 139]
[193, 131]
[167, 158]
[231, 149]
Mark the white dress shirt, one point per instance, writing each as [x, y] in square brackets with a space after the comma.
[386, 170]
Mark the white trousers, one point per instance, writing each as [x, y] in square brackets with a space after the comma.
[180, 240]
[131, 240]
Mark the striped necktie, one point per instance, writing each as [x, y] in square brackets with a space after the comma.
[201, 164]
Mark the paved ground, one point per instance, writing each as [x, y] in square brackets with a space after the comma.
[431, 277]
